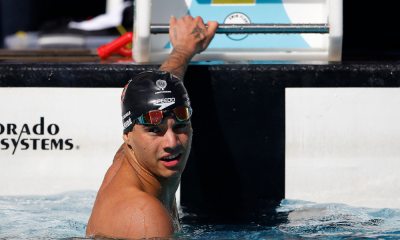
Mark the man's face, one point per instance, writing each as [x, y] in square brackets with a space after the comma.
[162, 149]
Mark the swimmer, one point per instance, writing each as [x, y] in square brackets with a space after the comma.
[137, 196]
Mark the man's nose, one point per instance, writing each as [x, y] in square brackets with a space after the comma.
[171, 140]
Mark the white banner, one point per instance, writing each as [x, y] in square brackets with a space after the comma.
[342, 146]
[54, 140]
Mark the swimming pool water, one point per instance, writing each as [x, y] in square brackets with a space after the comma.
[57, 216]
[65, 216]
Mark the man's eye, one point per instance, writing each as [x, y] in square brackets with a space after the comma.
[153, 130]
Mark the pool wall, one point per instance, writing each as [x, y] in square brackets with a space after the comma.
[238, 155]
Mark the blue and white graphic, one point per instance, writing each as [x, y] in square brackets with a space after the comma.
[255, 47]
[261, 12]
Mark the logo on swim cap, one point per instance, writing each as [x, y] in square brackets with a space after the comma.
[164, 102]
[126, 115]
[127, 123]
[161, 84]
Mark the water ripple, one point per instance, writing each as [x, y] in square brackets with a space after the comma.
[64, 216]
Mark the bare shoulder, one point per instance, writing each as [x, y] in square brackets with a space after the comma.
[118, 158]
[141, 216]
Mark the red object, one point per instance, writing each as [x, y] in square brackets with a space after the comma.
[116, 46]
[124, 52]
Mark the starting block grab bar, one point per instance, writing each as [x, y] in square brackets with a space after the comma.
[296, 30]
[255, 28]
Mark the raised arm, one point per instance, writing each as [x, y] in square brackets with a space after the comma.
[188, 36]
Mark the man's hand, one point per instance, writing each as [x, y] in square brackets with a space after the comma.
[188, 36]
[191, 33]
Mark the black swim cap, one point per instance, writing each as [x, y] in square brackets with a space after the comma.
[151, 90]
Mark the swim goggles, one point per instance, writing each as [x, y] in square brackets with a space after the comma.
[155, 117]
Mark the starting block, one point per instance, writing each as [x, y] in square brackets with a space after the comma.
[283, 30]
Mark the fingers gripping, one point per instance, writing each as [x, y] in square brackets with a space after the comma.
[188, 17]
[192, 33]
[201, 27]
[207, 34]
[212, 29]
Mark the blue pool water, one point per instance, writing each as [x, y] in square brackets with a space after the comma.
[64, 216]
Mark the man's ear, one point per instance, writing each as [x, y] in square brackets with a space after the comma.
[126, 137]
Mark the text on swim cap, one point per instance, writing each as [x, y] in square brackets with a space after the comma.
[164, 102]
[126, 115]
[127, 123]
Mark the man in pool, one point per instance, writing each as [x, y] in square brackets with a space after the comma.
[137, 196]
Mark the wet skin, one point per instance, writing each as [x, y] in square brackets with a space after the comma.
[137, 197]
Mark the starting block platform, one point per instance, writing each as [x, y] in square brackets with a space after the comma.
[290, 39]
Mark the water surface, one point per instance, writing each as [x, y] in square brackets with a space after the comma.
[65, 216]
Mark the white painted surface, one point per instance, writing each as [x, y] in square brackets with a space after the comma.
[336, 30]
[68, 40]
[141, 31]
[311, 11]
[113, 4]
[343, 146]
[90, 117]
